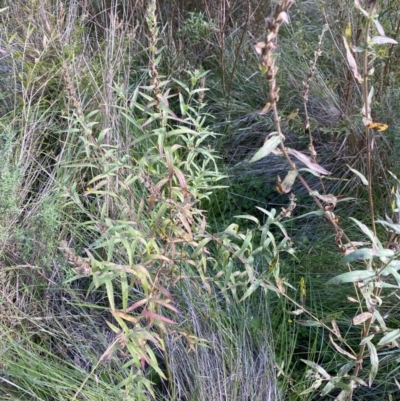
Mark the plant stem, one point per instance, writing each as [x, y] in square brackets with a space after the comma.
[369, 142]
[368, 131]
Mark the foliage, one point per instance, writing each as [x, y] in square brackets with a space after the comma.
[368, 283]
[155, 241]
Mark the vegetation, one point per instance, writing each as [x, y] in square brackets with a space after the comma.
[199, 200]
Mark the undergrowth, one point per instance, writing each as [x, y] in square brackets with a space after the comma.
[174, 222]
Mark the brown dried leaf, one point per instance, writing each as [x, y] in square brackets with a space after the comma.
[335, 328]
[341, 350]
[278, 185]
[329, 199]
[124, 316]
[280, 285]
[266, 109]
[260, 46]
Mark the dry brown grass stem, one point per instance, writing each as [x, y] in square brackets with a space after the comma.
[151, 19]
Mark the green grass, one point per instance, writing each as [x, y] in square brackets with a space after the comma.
[121, 167]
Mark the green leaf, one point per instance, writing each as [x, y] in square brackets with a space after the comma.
[368, 232]
[318, 368]
[394, 273]
[328, 388]
[393, 226]
[308, 170]
[124, 290]
[246, 246]
[200, 247]
[110, 294]
[366, 339]
[359, 175]
[366, 253]
[382, 40]
[251, 289]
[380, 320]
[248, 217]
[269, 146]
[352, 277]
[373, 355]
[390, 337]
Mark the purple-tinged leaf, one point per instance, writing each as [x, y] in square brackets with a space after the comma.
[311, 164]
[352, 62]
[362, 317]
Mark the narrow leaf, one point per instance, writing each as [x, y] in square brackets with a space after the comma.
[137, 304]
[269, 145]
[328, 199]
[367, 232]
[318, 368]
[251, 289]
[341, 350]
[382, 40]
[352, 62]
[394, 227]
[359, 175]
[328, 388]
[373, 355]
[379, 27]
[366, 254]
[248, 217]
[311, 164]
[201, 247]
[124, 316]
[380, 320]
[358, 6]
[362, 317]
[390, 337]
[166, 305]
[352, 277]
[343, 396]
[152, 315]
[286, 185]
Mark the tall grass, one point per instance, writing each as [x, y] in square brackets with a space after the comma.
[129, 269]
